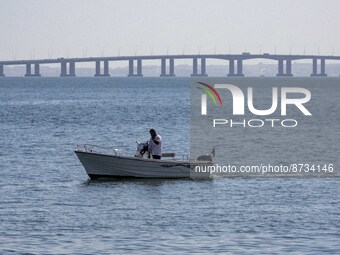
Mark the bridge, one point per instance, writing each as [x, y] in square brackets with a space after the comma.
[234, 61]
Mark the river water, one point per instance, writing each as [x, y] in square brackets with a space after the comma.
[49, 206]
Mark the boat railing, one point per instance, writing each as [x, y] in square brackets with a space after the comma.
[97, 148]
[118, 151]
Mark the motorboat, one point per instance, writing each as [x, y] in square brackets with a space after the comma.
[100, 162]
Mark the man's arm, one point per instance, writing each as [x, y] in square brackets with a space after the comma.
[155, 141]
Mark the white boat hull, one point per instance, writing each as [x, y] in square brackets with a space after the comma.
[99, 165]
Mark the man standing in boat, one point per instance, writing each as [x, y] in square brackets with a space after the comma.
[155, 145]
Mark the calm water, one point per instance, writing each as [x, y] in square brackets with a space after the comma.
[48, 205]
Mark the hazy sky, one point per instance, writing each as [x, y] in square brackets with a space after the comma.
[58, 28]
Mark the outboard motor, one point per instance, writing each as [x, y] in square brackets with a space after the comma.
[207, 157]
[142, 150]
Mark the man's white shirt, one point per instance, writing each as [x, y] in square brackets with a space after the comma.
[156, 149]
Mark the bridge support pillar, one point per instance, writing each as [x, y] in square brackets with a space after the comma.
[284, 67]
[280, 71]
[231, 68]
[289, 68]
[29, 70]
[239, 70]
[106, 68]
[163, 67]
[195, 67]
[37, 69]
[72, 69]
[322, 67]
[203, 67]
[131, 68]
[97, 68]
[172, 67]
[2, 70]
[63, 69]
[167, 72]
[315, 67]
[139, 67]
